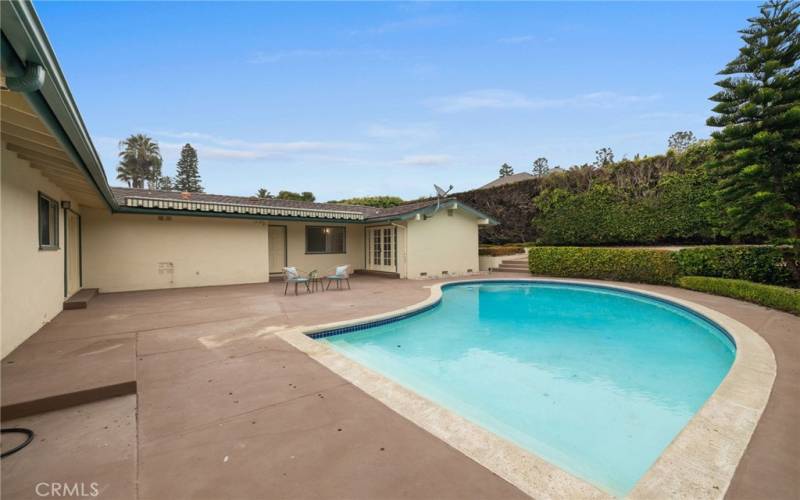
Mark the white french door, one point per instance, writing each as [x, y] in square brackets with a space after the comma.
[381, 249]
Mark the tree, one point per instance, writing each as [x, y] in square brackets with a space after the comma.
[758, 109]
[188, 176]
[372, 201]
[506, 170]
[603, 157]
[164, 183]
[263, 193]
[291, 195]
[540, 167]
[680, 141]
[140, 161]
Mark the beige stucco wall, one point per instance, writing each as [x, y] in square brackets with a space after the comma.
[32, 290]
[124, 252]
[443, 243]
[324, 263]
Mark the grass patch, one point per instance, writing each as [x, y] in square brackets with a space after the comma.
[776, 297]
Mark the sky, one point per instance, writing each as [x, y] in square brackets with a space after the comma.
[356, 99]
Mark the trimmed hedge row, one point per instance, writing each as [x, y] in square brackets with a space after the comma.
[762, 264]
[618, 264]
[776, 297]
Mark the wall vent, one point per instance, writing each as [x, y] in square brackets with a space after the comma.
[423, 274]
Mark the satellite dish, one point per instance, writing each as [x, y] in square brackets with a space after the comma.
[441, 192]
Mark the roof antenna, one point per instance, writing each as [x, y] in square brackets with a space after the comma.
[441, 193]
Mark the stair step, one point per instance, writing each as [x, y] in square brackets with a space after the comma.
[81, 298]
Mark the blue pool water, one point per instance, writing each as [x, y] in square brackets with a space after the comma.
[594, 380]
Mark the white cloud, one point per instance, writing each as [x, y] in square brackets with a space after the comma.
[426, 160]
[211, 146]
[508, 99]
[410, 131]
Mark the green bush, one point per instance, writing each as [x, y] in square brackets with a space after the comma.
[762, 264]
[776, 297]
[620, 264]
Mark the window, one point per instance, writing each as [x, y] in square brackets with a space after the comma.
[48, 223]
[328, 239]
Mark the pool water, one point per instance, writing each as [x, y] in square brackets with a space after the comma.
[594, 380]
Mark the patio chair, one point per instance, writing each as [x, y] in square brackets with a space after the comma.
[342, 275]
[292, 275]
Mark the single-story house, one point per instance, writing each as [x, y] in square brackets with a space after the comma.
[64, 228]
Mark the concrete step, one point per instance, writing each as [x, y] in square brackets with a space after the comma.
[80, 300]
[514, 263]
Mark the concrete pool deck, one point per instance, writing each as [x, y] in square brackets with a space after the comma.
[226, 409]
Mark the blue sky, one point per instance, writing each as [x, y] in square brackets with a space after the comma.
[349, 99]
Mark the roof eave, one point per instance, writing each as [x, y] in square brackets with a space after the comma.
[430, 209]
[53, 102]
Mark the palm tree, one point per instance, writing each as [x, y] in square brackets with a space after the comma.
[140, 161]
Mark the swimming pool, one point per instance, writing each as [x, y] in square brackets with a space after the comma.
[597, 381]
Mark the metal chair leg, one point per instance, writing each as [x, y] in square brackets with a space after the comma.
[348, 283]
[286, 287]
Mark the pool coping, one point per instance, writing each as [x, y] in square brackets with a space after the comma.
[699, 463]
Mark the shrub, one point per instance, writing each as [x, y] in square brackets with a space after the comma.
[776, 297]
[762, 264]
[498, 251]
[622, 264]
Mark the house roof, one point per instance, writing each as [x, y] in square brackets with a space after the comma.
[148, 200]
[508, 179]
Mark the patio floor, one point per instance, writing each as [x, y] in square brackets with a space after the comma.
[224, 409]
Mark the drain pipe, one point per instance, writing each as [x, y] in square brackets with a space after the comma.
[19, 78]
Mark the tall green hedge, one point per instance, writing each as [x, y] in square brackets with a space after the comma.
[677, 209]
[761, 264]
[636, 265]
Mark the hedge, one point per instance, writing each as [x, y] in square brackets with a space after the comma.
[619, 264]
[762, 264]
[776, 297]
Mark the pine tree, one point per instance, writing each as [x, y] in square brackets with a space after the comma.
[506, 170]
[188, 176]
[759, 109]
[541, 167]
